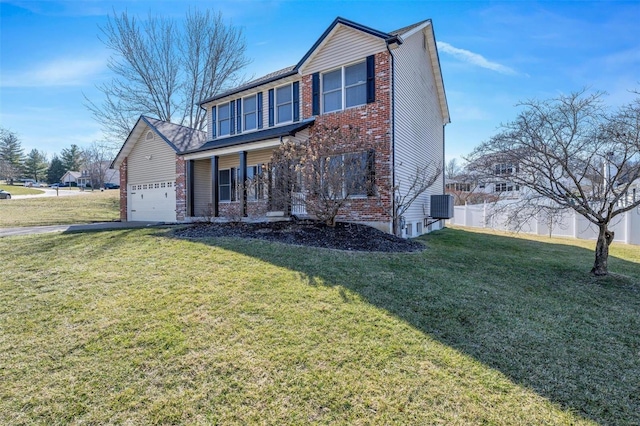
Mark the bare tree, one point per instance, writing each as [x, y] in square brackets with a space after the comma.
[334, 165]
[404, 196]
[573, 153]
[452, 169]
[163, 68]
[96, 160]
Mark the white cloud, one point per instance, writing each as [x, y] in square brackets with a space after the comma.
[59, 72]
[474, 59]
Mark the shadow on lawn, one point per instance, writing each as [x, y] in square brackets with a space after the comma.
[528, 309]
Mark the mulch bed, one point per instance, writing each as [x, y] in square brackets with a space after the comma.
[344, 236]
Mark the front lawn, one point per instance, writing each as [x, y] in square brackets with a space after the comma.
[20, 190]
[96, 206]
[138, 327]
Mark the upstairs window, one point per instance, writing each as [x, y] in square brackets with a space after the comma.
[355, 78]
[506, 169]
[345, 86]
[284, 103]
[224, 120]
[250, 116]
[332, 91]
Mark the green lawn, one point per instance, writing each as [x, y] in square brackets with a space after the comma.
[136, 327]
[96, 206]
[20, 190]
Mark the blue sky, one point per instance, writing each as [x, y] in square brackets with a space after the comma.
[492, 55]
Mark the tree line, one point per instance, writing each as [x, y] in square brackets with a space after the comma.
[15, 165]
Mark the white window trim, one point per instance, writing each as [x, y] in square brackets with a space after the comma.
[218, 121]
[230, 184]
[244, 113]
[343, 88]
[275, 104]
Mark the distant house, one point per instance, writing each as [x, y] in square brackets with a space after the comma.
[387, 84]
[97, 176]
[71, 177]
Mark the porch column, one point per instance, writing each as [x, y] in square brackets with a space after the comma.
[191, 171]
[242, 178]
[215, 197]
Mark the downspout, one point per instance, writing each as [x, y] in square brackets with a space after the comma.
[393, 140]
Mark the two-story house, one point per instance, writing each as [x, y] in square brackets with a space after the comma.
[387, 84]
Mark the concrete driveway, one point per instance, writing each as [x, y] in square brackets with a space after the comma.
[101, 226]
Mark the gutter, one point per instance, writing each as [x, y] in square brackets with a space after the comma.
[393, 129]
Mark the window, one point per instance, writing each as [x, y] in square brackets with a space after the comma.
[506, 169]
[345, 86]
[332, 91]
[255, 186]
[355, 85]
[505, 187]
[250, 116]
[227, 184]
[224, 120]
[284, 104]
[351, 174]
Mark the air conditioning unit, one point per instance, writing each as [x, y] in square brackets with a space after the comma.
[442, 206]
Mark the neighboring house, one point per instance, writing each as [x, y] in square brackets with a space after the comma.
[85, 177]
[71, 177]
[388, 85]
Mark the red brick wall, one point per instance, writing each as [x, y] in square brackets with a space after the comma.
[181, 188]
[373, 120]
[123, 190]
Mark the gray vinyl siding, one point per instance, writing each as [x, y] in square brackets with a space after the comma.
[419, 132]
[151, 161]
[344, 46]
[202, 188]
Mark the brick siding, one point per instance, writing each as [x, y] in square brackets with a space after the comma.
[123, 190]
[181, 188]
[374, 121]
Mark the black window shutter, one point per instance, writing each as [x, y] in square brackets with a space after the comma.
[232, 118]
[232, 172]
[259, 109]
[239, 117]
[315, 94]
[271, 116]
[296, 101]
[371, 172]
[371, 79]
[214, 124]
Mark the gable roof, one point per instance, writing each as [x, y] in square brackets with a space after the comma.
[392, 37]
[388, 38]
[179, 138]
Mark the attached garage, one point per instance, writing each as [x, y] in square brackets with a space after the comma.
[153, 202]
[150, 159]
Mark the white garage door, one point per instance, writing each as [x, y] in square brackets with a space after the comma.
[153, 202]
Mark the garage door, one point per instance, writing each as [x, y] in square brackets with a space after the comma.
[153, 202]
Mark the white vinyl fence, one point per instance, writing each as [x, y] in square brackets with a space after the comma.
[571, 224]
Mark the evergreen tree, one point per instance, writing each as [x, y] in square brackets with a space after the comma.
[56, 170]
[11, 155]
[35, 165]
[72, 158]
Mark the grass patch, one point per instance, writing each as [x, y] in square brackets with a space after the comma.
[137, 327]
[20, 190]
[96, 206]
